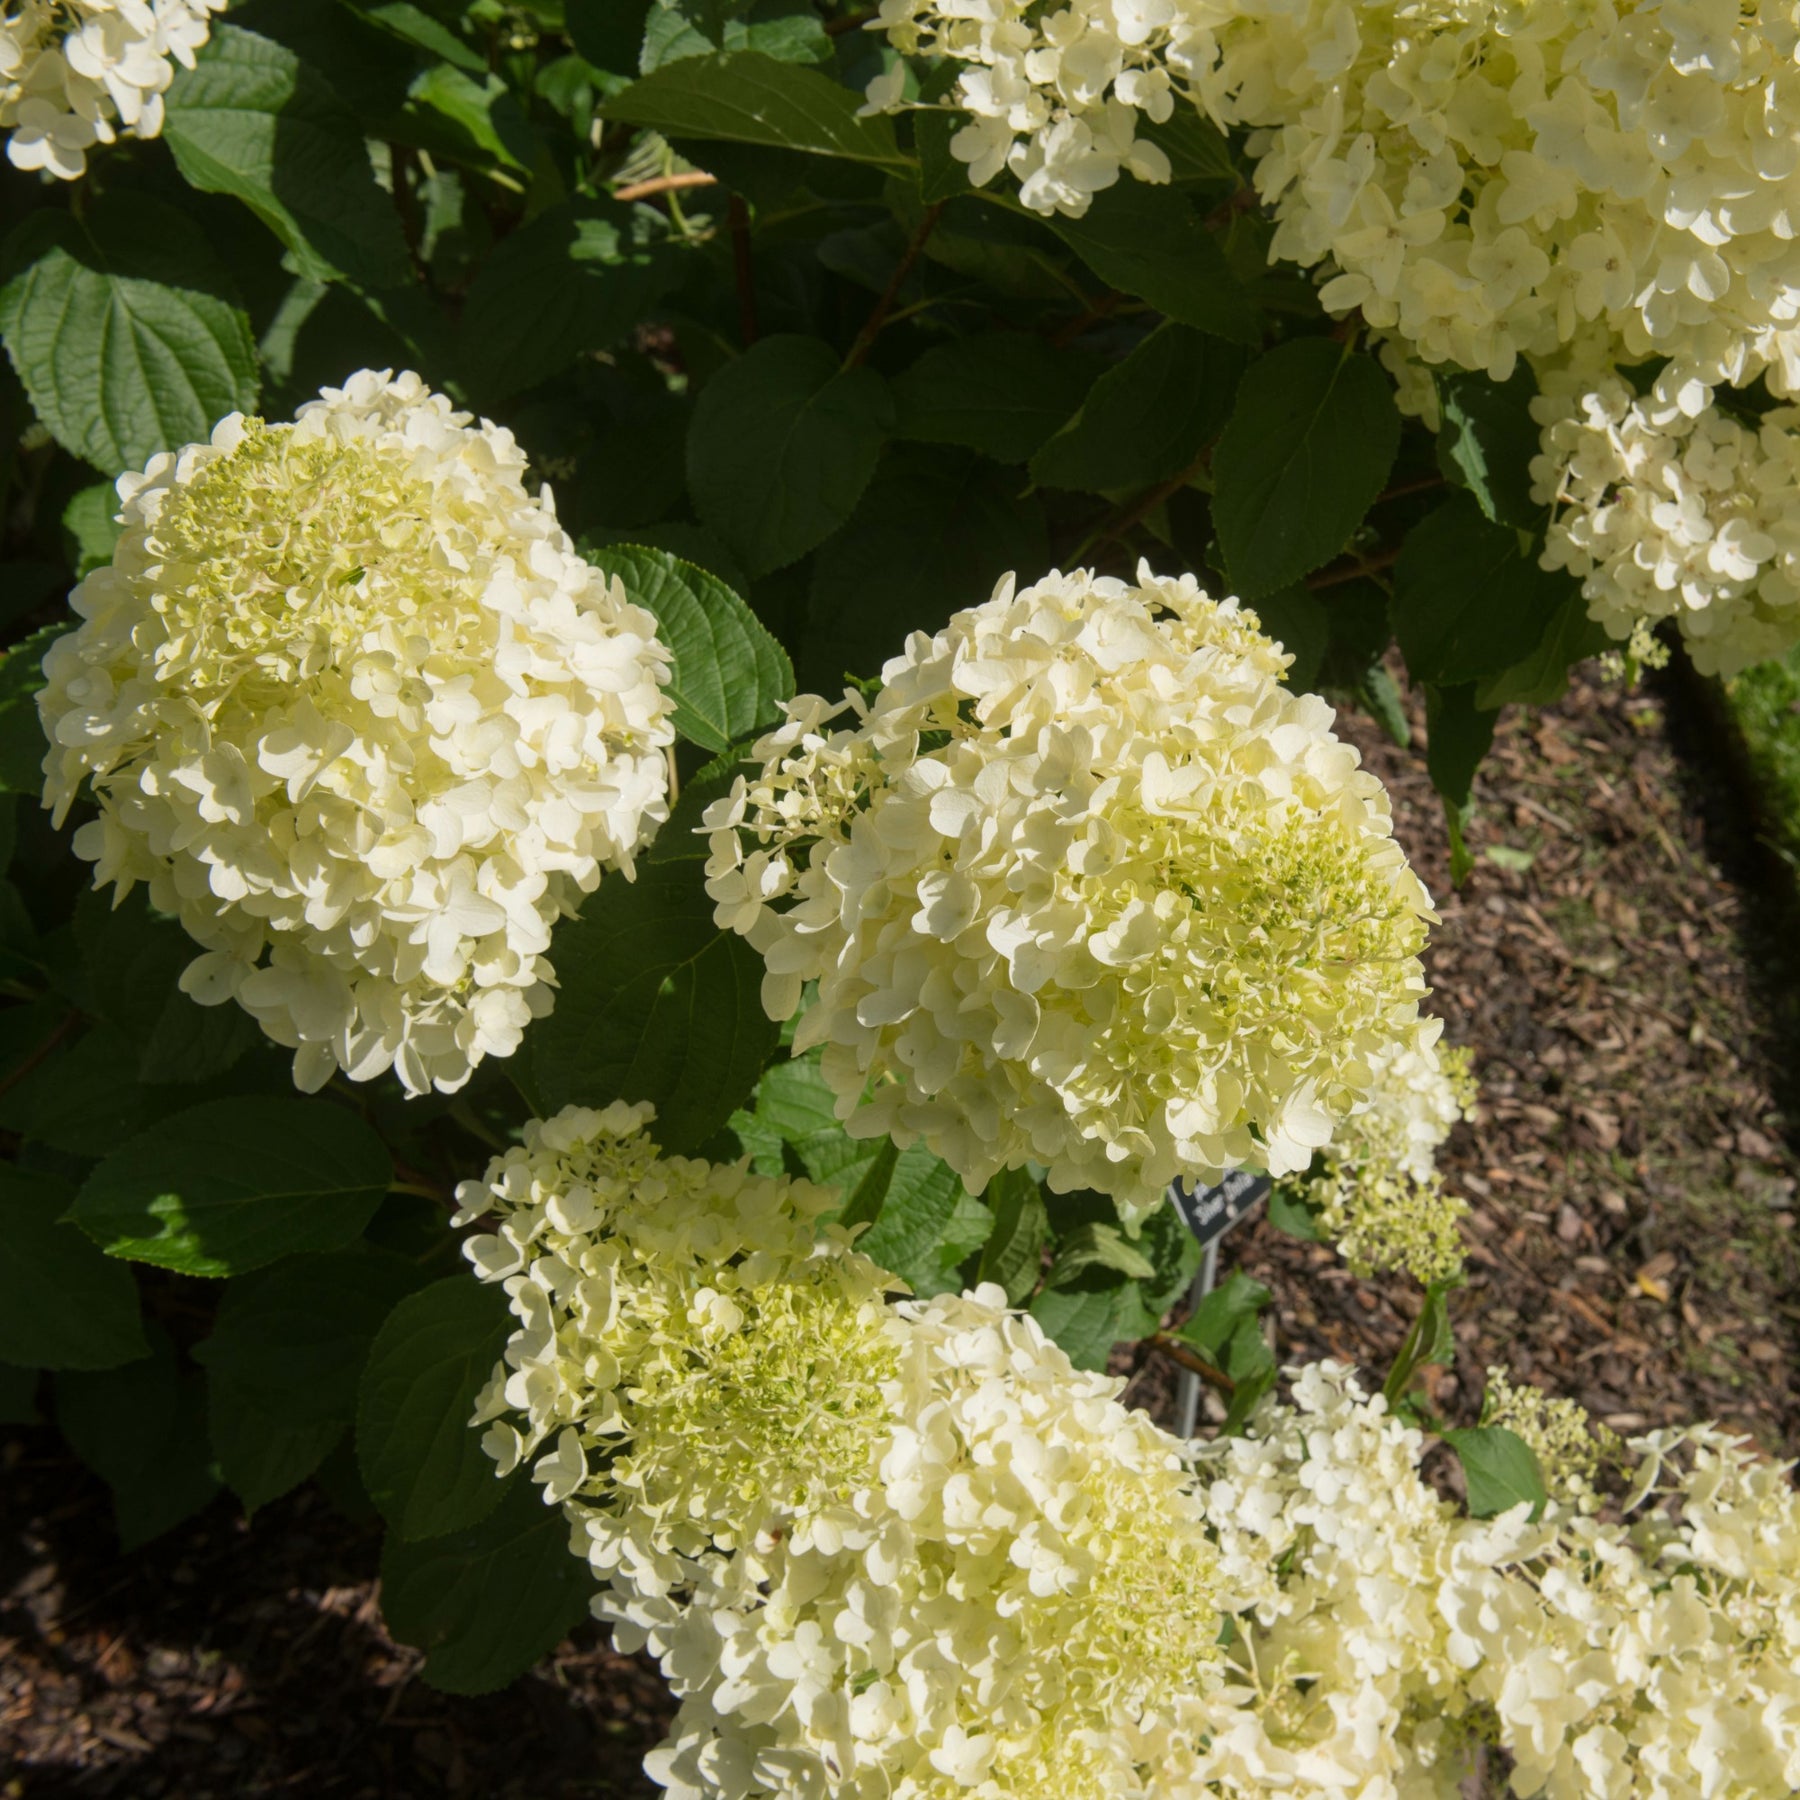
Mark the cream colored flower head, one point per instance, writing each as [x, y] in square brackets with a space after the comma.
[1489, 180]
[1084, 885]
[357, 713]
[74, 73]
[880, 1550]
[1666, 512]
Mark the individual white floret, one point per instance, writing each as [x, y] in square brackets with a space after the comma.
[359, 716]
[1084, 885]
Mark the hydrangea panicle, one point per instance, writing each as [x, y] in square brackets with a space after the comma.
[1083, 885]
[358, 715]
[879, 1550]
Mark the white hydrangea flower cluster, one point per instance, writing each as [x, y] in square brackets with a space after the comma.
[1657, 1657]
[73, 72]
[1378, 1194]
[1664, 513]
[362, 719]
[896, 1553]
[1338, 1549]
[1570, 1448]
[1083, 885]
[1054, 96]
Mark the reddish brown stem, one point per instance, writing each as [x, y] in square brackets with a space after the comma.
[865, 339]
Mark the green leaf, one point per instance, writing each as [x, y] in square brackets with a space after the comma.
[142, 1429]
[1251, 1365]
[576, 278]
[730, 676]
[1014, 1255]
[285, 1357]
[1309, 445]
[134, 961]
[1289, 1214]
[91, 528]
[1084, 1321]
[486, 1602]
[656, 1003]
[750, 98]
[913, 1224]
[62, 1304]
[1378, 695]
[1488, 439]
[781, 446]
[608, 33]
[1542, 678]
[22, 744]
[935, 531]
[229, 1185]
[422, 1464]
[1002, 393]
[1298, 620]
[1149, 241]
[261, 1453]
[125, 329]
[1500, 1468]
[1149, 417]
[788, 30]
[295, 1337]
[413, 25]
[253, 120]
[1458, 734]
[1097, 1246]
[470, 119]
[869, 1196]
[1224, 1312]
[1469, 598]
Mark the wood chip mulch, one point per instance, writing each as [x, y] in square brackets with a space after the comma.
[1633, 1244]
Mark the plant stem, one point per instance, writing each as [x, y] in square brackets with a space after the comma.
[1178, 1352]
[865, 339]
[738, 215]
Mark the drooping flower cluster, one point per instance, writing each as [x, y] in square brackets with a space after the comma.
[1378, 1194]
[1663, 514]
[358, 714]
[880, 1551]
[903, 1551]
[1084, 885]
[75, 72]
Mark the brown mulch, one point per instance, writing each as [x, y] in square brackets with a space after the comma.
[1632, 1230]
[1633, 1238]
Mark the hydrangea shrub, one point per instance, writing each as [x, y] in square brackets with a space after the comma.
[461, 452]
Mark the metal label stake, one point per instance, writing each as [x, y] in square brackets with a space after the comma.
[1209, 1213]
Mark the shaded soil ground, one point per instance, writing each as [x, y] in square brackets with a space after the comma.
[1634, 1244]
